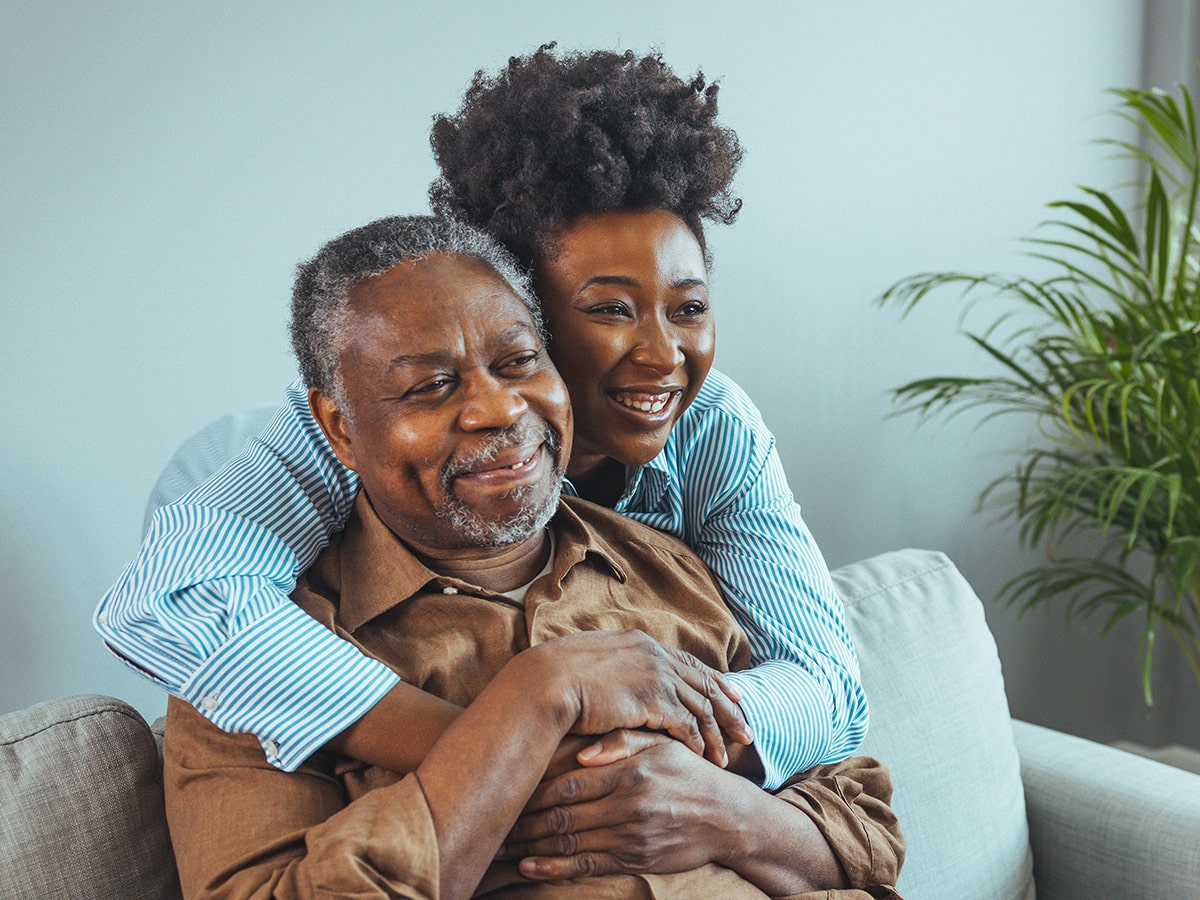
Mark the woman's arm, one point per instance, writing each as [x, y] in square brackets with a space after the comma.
[803, 697]
[205, 603]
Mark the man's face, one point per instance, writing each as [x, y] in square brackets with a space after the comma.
[458, 424]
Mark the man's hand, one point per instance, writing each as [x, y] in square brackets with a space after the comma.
[662, 810]
[626, 679]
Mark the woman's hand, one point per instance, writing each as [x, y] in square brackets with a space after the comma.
[626, 679]
[662, 810]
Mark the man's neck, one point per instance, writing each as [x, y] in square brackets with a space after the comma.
[498, 570]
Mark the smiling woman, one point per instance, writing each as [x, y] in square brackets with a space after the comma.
[626, 295]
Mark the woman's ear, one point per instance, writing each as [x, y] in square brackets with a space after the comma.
[335, 424]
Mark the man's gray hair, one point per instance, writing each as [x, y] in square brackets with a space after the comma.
[323, 283]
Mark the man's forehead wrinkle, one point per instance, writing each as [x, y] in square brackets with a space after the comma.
[443, 356]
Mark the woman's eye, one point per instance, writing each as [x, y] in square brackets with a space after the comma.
[693, 309]
[609, 309]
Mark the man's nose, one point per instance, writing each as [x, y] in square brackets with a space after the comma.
[491, 402]
[657, 347]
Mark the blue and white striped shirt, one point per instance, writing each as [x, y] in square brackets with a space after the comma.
[204, 609]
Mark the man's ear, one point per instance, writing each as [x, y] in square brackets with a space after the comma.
[335, 425]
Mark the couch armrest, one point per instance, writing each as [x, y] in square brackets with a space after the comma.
[1105, 823]
[81, 803]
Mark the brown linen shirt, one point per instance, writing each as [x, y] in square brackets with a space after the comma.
[337, 827]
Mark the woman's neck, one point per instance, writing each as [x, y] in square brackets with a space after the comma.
[600, 481]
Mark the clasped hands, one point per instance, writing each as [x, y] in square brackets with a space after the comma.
[650, 799]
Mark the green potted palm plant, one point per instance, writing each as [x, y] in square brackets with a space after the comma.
[1104, 355]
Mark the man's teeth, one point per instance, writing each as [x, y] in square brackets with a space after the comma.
[644, 405]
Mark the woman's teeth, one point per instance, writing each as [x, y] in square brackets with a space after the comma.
[655, 405]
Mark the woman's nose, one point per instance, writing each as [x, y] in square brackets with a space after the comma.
[657, 348]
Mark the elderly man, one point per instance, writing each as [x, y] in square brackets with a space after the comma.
[464, 570]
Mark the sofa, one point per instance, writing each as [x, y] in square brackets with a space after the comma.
[991, 807]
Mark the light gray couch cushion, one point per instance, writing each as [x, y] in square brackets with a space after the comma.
[940, 720]
[81, 803]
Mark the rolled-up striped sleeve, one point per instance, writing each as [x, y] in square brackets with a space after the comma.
[721, 488]
[203, 609]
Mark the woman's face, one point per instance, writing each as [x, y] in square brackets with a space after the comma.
[626, 300]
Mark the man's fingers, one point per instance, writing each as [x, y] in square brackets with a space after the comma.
[720, 692]
[701, 707]
[727, 687]
[577, 786]
[617, 745]
[552, 868]
[563, 831]
[691, 722]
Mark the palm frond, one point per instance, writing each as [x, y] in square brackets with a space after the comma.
[1104, 357]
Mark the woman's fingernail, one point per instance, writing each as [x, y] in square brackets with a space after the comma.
[589, 752]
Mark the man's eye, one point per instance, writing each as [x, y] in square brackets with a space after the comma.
[432, 386]
[521, 363]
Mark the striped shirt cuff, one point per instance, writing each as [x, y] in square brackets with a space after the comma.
[788, 711]
[291, 682]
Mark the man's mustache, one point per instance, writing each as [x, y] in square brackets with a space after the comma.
[530, 430]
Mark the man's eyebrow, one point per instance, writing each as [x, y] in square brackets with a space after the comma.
[515, 332]
[511, 334]
[433, 357]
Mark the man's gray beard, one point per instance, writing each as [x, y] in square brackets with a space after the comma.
[529, 519]
[480, 532]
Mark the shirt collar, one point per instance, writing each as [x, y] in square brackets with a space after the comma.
[378, 571]
[645, 486]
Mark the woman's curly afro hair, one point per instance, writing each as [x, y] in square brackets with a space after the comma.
[551, 138]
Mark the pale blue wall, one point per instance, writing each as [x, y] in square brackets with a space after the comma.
[163, 167]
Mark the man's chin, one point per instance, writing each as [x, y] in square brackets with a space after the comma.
[522, 513]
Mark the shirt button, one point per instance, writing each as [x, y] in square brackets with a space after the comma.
[208, 704]
[449, 590]
[271, 747]
[102, 618]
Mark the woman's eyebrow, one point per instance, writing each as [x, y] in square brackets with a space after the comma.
[623, 280]
[626, 281]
